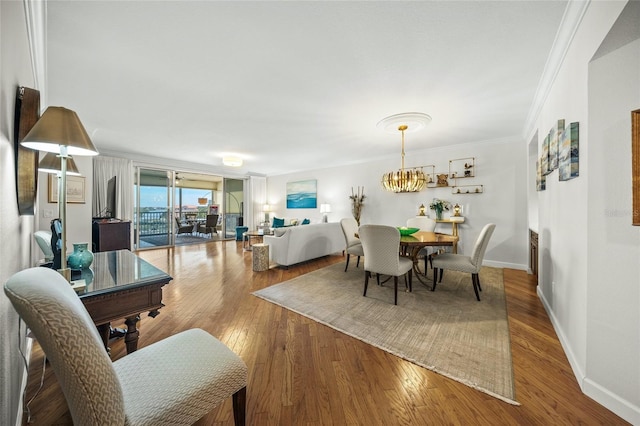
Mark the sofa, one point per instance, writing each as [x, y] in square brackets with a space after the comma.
[295, 244]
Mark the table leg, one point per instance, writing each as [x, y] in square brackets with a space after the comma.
[105, 331]
[416, 269]
[131, 338]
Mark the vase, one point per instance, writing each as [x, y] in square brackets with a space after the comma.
[438, 214]
[81, 257]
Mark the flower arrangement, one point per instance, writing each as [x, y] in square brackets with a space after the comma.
[439, 206]
[357, 200]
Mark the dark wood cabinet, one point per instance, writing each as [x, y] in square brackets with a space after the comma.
[108, 236]
[533, 252]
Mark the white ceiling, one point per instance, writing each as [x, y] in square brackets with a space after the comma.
[292, 85]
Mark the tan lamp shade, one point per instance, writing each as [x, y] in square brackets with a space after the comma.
[59, 127]
[50, 163]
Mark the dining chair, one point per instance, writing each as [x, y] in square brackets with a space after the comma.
[210, 225]
[353, 245]
[381, 246]
[462, 263]
[425, 224]
[174, 381]
[43, 238]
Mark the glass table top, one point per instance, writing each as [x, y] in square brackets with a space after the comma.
[118, 270]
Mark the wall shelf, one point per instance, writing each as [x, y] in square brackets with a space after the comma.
[461, 168]
[467, 189]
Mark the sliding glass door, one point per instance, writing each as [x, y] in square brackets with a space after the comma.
[153, 219]
[233, 206]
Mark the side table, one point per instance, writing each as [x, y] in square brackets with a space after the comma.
[260, 257]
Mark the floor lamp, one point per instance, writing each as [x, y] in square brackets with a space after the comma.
[60, 131]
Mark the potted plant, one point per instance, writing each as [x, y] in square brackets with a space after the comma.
[439, 206]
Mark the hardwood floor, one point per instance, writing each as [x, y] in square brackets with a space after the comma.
[301, 372]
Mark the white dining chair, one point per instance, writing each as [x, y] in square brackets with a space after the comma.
[462, 263]
[381, 245]
[353, 245]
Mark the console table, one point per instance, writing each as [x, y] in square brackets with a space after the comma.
[119, 285]
[454, 221]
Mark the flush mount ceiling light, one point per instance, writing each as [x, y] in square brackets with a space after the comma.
[232, 161]
[404, 180]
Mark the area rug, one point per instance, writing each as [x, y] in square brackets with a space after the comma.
[181, 239]
[447, 331]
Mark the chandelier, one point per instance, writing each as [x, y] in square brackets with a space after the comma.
[405, 180]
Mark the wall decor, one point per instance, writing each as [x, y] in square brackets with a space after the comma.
[27, 112]
[569, 153]
[462, 168]
[635, 165]
[541, 180]
[442, 179]
[302, 194]
[545, 156]
[75, 189]
[554, 136]
[467, 189]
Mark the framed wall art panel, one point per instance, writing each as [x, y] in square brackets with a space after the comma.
[302, 194]
[27, 112]
[75, 189]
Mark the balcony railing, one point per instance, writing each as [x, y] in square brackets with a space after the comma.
[155, 222]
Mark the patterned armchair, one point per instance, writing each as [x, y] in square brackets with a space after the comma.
[174, 381]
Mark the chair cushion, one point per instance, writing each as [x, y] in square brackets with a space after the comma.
[455, 262]
[277, 222]
[356, 250]
[198, 370]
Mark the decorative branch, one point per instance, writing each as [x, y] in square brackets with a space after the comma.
[357, 201]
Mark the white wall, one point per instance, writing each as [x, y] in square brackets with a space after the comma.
[78, 214]
[588, 277]
[613, 292]
[15, 231]
[500, 167]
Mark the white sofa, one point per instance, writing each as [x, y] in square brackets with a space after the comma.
[295, 244]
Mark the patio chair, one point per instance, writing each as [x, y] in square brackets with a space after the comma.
[183, 228]
[210, 225]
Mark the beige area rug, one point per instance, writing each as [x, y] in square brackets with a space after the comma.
[447, 331]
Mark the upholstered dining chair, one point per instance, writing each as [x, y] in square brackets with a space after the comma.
[381, 246]
[353, 244]
[425, 224]
[43, 238]
[174, 381]
[210, 225]
[462, 263]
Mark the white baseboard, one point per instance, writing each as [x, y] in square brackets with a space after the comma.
[593, 390]
[613, 402]
[25, 377]
[508, 265]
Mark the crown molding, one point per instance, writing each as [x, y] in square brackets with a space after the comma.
[569, 25]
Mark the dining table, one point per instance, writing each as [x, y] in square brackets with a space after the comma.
[410, 246]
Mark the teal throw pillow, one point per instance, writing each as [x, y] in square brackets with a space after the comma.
[305, 222]
[277, 223]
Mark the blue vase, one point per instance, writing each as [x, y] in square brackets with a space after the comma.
[81, 257]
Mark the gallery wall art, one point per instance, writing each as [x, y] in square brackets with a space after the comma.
[302, 194]
[569, 154]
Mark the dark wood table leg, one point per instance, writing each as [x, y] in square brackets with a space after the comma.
[131, 338]
[105, 330]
